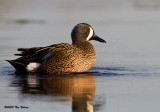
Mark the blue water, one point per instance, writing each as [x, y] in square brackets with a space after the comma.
[102, 89]
[125, 78]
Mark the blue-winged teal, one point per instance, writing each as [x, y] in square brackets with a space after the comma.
[79, 56]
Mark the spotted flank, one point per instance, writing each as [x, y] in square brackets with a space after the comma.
[79, 56]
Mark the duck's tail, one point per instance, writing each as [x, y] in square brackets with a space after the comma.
[17, 65]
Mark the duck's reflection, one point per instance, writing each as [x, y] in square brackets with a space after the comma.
[78, 88]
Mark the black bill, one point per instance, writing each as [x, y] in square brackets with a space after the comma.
[95, 37]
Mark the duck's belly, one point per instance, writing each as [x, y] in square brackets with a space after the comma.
[73, 64]
[84, 65]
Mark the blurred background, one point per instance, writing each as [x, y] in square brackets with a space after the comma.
[127, 71]
[130, 27]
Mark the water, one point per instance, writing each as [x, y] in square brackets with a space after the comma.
[125, 77]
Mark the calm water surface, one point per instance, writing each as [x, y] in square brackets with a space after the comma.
[126, 76]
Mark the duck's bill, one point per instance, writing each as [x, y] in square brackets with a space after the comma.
[95, 37]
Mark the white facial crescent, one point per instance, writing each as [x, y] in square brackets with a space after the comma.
[90, 33]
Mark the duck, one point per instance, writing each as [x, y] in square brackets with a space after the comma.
[80, 56]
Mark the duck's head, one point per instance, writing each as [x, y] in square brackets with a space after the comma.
[84, 32]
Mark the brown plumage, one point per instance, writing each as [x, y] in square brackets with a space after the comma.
[79, 56]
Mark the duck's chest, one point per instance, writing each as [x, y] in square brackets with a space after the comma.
[86, 58]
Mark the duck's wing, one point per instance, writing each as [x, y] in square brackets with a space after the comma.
[30, 51]
[35, 54]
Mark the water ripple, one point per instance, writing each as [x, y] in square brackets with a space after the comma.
[129, 71]
[7, 72]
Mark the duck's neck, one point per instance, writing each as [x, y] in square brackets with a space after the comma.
[85, 46]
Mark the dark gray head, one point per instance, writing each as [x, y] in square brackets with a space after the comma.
[84, 32]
